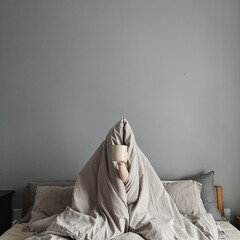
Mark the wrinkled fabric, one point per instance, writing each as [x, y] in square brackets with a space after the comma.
[105, 208]
[204, 222]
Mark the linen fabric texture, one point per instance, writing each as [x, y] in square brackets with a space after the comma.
[186, 194]
[103, 207]
[49, 202]
[32, 194]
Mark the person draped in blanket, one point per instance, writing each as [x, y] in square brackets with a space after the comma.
[123, 199]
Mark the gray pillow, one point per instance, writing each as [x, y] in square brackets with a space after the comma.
[208, 194]
[32, 193]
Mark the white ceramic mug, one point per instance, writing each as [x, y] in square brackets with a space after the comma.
[119, 153]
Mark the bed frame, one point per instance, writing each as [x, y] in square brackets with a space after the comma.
[26, 201]
[218, 195]
[219, 199]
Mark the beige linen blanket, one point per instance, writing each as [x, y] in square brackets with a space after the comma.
[105, 208]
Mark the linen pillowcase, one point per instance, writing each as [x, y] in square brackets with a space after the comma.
[32, 194]
[208, 194]
[50, 200]
[186, 194]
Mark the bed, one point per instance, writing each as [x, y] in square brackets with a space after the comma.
[16, 233]
[103, 206]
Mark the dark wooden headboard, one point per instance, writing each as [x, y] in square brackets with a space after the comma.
[26, 201]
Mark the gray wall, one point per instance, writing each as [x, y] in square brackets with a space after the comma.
[69, 70]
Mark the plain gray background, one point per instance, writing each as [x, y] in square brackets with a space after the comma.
[69, 70]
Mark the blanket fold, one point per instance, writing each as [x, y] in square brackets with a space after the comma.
[103, 207]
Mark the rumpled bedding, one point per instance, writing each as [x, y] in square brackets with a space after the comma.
[103, 207]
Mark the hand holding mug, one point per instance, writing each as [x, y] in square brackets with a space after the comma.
[119, 153]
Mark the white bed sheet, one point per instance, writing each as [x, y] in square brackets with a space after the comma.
[232, 232]
[16, 233]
